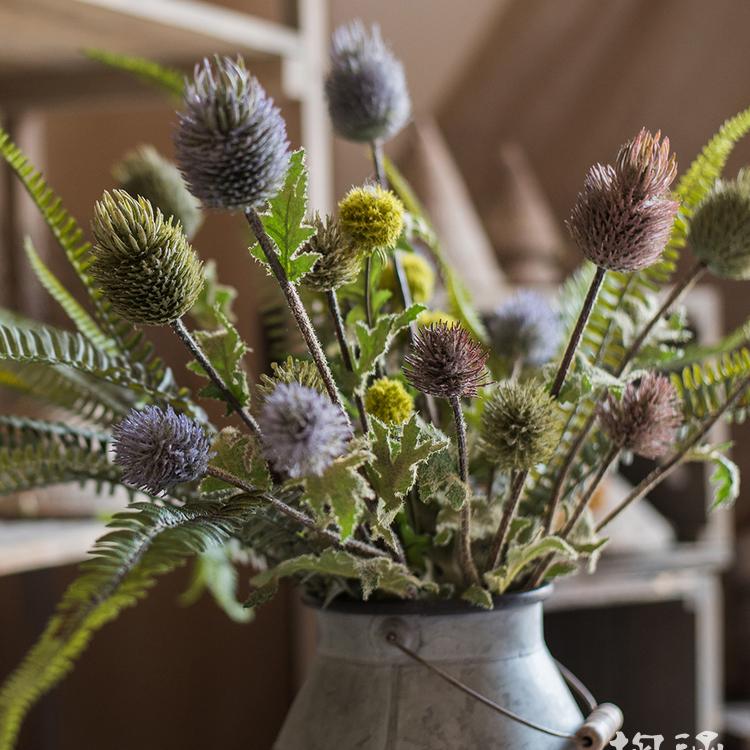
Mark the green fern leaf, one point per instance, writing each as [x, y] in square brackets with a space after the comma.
[145, 542]
[168, 79]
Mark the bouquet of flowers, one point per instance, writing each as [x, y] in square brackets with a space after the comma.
[411, 451]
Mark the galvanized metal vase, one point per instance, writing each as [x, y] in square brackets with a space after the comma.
[363, 693]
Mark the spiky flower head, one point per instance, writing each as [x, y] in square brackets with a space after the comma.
[646, 419]
[445, 361]
[623, 217]
[419, 274]
[428, 317]
[521, 425]
[340, 260]
[526, 328]
[368, 99]
[231, 139]
[145, 172]
[157, 449]
[291, 370]
[303, 432]
[372, 217]
[720, 228]
[143, 262]
[388, 400]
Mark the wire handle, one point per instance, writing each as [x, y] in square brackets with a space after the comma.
[596, 732]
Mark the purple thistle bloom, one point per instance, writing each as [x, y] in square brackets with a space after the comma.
[158, 449]
[368, 99]
[303, 432]
[525, 327]
[231, 142]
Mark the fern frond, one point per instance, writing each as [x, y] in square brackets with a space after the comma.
[83, 321]
[145, 542]
[168, 79]
[703, 388]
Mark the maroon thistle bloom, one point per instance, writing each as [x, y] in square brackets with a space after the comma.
[446, 361]
[623, 217]
[646, 419]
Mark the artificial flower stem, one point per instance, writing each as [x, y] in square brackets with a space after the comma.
[467, 560]
[368, 291]
[575, 338]
[192, 345]
[350, 545]
[660, 473]
[296, 306]
[511, 506]
[346, 354]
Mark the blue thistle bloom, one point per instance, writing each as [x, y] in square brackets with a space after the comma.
[158, 449]
[525, 327]
[303, 432]
[368, 99]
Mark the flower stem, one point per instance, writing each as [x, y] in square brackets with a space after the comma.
[511, 506]
[346, 354]
[350, 545]
[297, 308]
[466, 558]
[198, 354]
[575, 338]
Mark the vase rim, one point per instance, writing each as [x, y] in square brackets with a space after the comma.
[429, 607]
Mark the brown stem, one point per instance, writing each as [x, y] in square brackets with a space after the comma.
[346, 354]
[575, 338]
[511, 506]
[192, 345]
[350, 545]
[466, 557]
[660, 473]
[296, 306]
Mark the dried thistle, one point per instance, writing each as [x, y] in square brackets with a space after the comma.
[445, 361]
[646, 419]
[623, 217]
[340, 260]
[292, 370]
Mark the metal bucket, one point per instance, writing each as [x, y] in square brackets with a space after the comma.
[362, 693]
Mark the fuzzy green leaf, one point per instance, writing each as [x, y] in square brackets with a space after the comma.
[439, 483]
[168, 79]
[285, 222]
[725, 481]
[479, 597]
[213, 295]
[240, 455]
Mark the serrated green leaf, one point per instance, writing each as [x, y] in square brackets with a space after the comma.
[341, 492]
[725, 481]
[225, 350]
[439, 481]
[479, 597]
[239, 454]
[284, 221]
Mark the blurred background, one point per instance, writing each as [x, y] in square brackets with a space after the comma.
[513, 101]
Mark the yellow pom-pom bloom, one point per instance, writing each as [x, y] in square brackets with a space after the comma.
[419, 276]
[388, 400]
[428, 317]
[372, 217]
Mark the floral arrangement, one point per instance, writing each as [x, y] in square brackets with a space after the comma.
[411, 451]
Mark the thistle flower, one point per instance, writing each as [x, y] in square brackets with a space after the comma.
[623, 217]
[303, 432]
[372, 217]
[143, 262]
[388, 400]
[339, 261]
[445, 361]
[145, 172]
[525, 327]
[291, 370]
[520, 426]
[428, 317]
[158, 449]
[420, 277]
[231, 140]
[720, 228]
[646, 419]
[368, 99]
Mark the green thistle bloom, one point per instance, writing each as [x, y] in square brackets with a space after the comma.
[520, 426]
[372, 217]
[388, 400]
[339, 261]
[300, 371]
[145, 172]
[720, 228]
[143, 262]
[419, 276]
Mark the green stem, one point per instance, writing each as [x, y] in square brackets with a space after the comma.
[511, 506]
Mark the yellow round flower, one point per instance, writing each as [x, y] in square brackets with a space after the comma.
[372, 217]
[388, 400]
